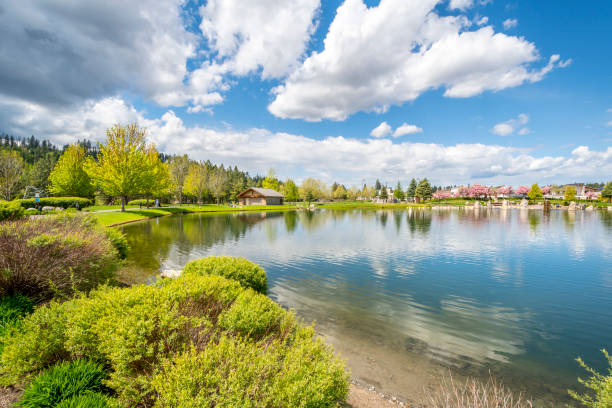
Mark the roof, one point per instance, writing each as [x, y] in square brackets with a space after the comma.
[266, 192]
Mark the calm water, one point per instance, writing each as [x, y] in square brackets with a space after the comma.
[406, 295]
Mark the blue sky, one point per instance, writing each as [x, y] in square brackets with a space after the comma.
[488, 91]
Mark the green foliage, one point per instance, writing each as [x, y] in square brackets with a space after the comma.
[12, 310]
[600, 384]
[570, 193]
[10, 210]
[384, 194]
[290, 191]
[144, 202]
[423, 190]
[54, 256]
[535, 193]
[208, 326]
[252, 315]
[119, 241]
[63, 202]
[179, 169]
[69, 177]
[247, 273]
[11, 173]
[606, 192]
[88, 400]
[411, 192]
[398, 192]
[340, 192]
[63, 381]
[271, 181]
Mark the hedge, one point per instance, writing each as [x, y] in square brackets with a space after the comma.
[249, 274]
[63, 202]
[187, 342]
[10, 210]
[142, 202]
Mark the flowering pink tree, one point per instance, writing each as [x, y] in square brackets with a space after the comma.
[591, 195]
[442, 195]
[506, 191]
[463, 192]
[478, 191]
[522, 190]
[546, 190]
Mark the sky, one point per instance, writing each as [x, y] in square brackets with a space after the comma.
[459, 91]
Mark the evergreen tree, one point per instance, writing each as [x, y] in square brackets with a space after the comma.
[423, 190]
[377, 186]
[398, 193]
[383, 193]
[411, 192]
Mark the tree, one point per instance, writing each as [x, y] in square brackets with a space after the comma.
[423, 190]
[535, 193]
[606, 192]
[196, 181]
[522, 190]
[398, 193]
[570, 193]
[126, 165]
[377, 186]
[11, 169]
[383, 193]
[311, 190]
[411, 192]
[368, 192]
[546, 190]
[40, 172]
[340, 192]
[271, 181]
[353, 193]
[69, 177]
[290, 191]
[179, 168]
[216, 183]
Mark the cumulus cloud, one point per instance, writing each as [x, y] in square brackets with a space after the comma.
[510, 23]
[346, 160]
[267, 34]
[482, 21]
[508, 127]
[374, 57]
[460, 4]
[381, 130]
[406, 129]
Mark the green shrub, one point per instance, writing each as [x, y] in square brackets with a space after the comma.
[63, 381]
[119, 242]
[30, 211]
[138, 330]
[63, 202]
[12, 310]
[252, 314]
[54, 256]
[249, 274]
[143, 202]
[88, 400]
[600, 384]
[10, 210]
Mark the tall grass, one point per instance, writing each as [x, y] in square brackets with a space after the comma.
[473, 394]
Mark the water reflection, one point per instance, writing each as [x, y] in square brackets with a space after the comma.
[517, 292]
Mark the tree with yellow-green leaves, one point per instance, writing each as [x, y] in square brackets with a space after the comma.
[179, 169]
[11, 170]
[570, 193]
[127, 166]
[535, 193]
[68, 177]
[271, 181]
[197, 181]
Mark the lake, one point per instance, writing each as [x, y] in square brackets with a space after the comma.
[409, 295]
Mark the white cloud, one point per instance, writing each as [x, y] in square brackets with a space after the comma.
[510, 23]
[374, 57]
[381, 130]
[609, 123]
[460, 4]
[406, 129]
[342, 159]
[510, 126]
[267, 34]
[482, 21]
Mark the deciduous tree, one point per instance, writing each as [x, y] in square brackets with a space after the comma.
[340, 193]
[197, 181]
[291, 191]
[69, 177]
[11, 170]
[398, 193]
[570, 193]
[607, 191]
[179, 168]
[271, 181]
[535, 193]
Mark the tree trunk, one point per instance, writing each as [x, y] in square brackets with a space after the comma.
[122, 204]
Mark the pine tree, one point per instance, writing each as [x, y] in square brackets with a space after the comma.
[377, 186]
[398, 193]
[383, 193]
[411, 192]
[423, 190]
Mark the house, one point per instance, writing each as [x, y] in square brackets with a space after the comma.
[260, 196]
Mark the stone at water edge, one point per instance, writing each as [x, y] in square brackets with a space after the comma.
[171, 273]
[47, 208]
[31, 209]
[505, 204]
[524, 202]
[572, 206]
[476, 204]
[590, 208]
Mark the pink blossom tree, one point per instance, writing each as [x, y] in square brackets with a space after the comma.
[506, 190]
[591, 195]
[463, 192]
[546, 190]
[442, 195]
[478, 191]
[522, 190]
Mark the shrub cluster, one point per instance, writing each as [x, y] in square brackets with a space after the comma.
[12, 310]
[599, 384]
[119, 242]
[54, 256]
[63, 202]
[10, 210]
[249, 274]
[189, 342]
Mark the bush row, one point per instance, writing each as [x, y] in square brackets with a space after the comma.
[142, 202]
[63, 202]
[56, 255]
[190, 342]
[10, 210]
